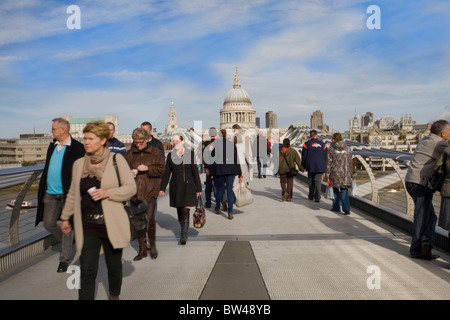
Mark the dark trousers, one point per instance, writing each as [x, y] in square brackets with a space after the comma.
[425, 218]
[208, 191]
[89, 267]
[287, 184]
[261, 167]
[315, 183]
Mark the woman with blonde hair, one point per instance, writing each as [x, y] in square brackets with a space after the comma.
[95, 201]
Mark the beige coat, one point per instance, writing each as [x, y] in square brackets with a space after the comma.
[116, 219]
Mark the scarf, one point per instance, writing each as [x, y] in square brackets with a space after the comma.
[89, 170]
[180, 150]
[136, 149]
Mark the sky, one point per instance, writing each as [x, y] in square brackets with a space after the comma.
[134, 58]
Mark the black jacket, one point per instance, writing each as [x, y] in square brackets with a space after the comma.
[225, 159]
[158, 144]
[184, 180]
[72, 153]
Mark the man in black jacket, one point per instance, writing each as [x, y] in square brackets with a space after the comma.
[55, 183]
[314, 160]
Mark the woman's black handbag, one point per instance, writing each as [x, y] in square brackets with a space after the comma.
[136, 210]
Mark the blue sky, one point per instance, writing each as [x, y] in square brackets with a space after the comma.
[133, 58]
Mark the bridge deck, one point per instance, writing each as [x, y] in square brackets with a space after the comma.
[271, 250]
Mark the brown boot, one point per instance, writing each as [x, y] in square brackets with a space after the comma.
[151, 237]
[142, 249]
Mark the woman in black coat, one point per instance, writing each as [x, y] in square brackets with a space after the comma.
[185, 185]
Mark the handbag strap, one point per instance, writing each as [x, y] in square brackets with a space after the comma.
[117, 172]
[117, 169]
[282, 153]
[199, 202]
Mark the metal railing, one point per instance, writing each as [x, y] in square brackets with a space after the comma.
[15, 220]
[18, 176]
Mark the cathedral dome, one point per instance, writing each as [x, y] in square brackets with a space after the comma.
[237, 108]
[237, 94]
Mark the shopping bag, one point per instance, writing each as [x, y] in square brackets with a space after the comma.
[354, 187]
[329, 193]
[242, 194]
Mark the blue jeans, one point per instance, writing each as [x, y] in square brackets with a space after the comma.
[424, 217]
[220, 184]
[341, 195]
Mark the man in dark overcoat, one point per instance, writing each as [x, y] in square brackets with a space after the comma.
[55, 183]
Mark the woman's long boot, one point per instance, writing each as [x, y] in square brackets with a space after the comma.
[142, 249]
[184, 226]
[152, 238]
[184, 229]
[151, 231]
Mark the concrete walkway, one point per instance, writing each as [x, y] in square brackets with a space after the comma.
[271, 250]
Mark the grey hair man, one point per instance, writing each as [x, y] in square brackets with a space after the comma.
[54, 185]
[420, 170]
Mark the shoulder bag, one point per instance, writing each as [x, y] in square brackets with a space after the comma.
[136, 210]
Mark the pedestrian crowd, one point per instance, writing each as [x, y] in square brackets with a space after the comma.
[80, 188]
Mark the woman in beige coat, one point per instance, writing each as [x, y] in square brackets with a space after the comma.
[99, 218]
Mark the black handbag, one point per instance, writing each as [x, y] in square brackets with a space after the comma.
[292, 171]
[136, 210]
[437, 178]
[199, 216]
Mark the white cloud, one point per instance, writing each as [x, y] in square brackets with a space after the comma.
[300, 56]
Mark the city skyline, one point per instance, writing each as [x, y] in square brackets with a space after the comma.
[132, 59]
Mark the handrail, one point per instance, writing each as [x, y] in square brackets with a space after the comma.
[13, 237]
[395, 160]
[16, 176]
